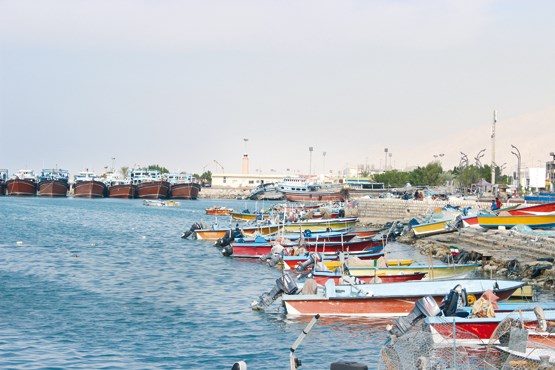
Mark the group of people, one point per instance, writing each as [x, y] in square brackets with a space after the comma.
[495, 204]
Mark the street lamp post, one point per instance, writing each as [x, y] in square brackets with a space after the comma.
[517, 154]
[113, 168]
[464, 163]
[478, 156]
[310, 149]
[324, 163]
[385, 163]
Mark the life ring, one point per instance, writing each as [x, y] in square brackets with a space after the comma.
[307, 233]
[471, 298]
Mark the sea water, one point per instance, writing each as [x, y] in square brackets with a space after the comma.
[110, 284]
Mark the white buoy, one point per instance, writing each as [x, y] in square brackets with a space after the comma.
[19, 243]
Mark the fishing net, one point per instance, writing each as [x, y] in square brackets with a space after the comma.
[523, 347]
[438, 346]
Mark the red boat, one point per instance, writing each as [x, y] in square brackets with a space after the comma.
[22, 184]
[88, 185]
[53, 183]
[255, 249]
[536, 209]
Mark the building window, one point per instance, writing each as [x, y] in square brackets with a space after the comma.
[225, 180]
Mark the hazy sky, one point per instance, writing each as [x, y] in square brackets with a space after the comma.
[182, 83]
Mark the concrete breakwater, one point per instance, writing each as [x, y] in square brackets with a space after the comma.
[503, 253]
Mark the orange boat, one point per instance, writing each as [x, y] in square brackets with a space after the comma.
[216, 210]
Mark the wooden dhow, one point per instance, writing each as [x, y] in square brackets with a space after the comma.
[53, 183]
[23, 183]
[87, 185]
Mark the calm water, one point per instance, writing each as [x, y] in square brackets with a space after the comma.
[109, 283]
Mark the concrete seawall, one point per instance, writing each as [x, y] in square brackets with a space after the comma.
[376, 211]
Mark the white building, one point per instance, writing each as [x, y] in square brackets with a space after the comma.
[249, 181]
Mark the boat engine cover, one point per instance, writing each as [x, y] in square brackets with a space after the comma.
[348, 365]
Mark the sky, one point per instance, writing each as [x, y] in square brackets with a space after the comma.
[182, 84]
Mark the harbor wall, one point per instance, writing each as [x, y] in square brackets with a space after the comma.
[381, 210]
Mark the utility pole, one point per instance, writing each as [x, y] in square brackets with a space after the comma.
[493, 148]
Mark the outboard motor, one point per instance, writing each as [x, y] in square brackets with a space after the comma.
[313, 259]
[225, 241]
[194, 227]
[457, 297]
[424, 307]
[273, 257]
[227, 251]
[284, 285]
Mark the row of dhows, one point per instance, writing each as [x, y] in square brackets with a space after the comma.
[146, 184]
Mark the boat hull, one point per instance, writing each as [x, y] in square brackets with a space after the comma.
[332, 224]
[433, 272]
[532, 221]
[386, 299]
[432, 228]
[153, 190]
[53, 188]
[187, 190]
[21, 187]
[321, 278]
[315, 196]
[241, 216]
[537, 209]
[126, 191]
[89, 189]
[218, 211]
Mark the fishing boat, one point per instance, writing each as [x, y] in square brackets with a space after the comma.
[219, 233]
[386, 299]
[183, 186]
[312, 196]
[260, 247]
[150, 184]
[3, 179]
[53, 183]
[329, 224]
[535, 209]
[532, 221]
[299, 189]
[333, 260]
[217, 210]
[433, 271]
[86, 184]
[249, 217]
[383, 277]
[433, 228]
[483, 330]
[23, 183]
[160, 203]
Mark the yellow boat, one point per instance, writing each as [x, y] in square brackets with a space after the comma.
[433, 228]
[332, 265]
[433, 272]
[330, 224]
[533, 221]
[243, 216]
